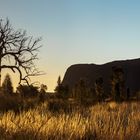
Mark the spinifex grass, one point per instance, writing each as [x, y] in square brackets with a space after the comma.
[101, 121]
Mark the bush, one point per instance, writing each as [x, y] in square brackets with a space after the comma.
[27, 91]
[8, 102]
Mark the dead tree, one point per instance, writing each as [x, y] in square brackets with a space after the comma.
[18, 52]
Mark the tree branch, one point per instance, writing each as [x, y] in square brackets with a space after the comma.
[20, 48]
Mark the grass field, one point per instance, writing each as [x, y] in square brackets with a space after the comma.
[105, 121]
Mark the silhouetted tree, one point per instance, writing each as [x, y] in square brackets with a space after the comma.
[99, 89]
[117, 83]
[7, 86]
[59, 85]
[61, 90]
[43, 89]
[18, 51]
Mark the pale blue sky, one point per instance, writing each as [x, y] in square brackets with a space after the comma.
[77, 31]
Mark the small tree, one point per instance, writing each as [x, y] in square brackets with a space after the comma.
[117, 82]
[7, 87]
[59, 85]
[61, 90]
[43, 89]
[99, 89]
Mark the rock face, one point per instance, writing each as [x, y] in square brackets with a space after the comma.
[90, 72]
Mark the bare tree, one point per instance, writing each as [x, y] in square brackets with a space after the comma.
[18, 51]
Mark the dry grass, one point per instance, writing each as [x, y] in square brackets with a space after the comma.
[97, 122]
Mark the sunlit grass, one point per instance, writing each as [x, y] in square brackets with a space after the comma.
[102, 121]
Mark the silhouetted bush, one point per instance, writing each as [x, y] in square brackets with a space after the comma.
[60, 105]
[27, 90]
[8, 102]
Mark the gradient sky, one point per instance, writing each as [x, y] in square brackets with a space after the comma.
[77, 31]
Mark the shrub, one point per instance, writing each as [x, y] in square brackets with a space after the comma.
[27, 90]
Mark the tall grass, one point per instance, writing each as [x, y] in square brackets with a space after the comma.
[105, 121]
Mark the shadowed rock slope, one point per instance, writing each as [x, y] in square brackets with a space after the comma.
[90, 72]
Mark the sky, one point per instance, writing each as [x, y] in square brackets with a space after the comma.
[76, 31]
